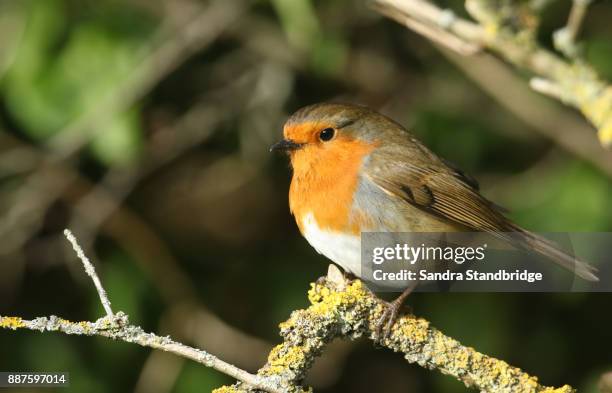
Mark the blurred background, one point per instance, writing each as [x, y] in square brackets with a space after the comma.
[144, 126]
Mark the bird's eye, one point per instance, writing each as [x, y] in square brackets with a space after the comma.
[327, 134]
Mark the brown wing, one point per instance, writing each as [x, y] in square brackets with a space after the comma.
[429, 184]
[416, 175]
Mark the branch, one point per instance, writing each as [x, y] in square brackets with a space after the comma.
[342, 308]
[117, 327]
[91, 272]
[510, 31]
[565, 38]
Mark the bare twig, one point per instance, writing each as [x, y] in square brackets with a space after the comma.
[436, 33]
[91, 272]
[196, 324]
[565, 38]
[428, 13]
[117, 327]
[510, 34]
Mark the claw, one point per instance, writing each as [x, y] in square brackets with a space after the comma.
[389, 316]
[387, 320]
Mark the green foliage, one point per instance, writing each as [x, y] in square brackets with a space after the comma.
[561, 192]
[120, 141]
[64, 68]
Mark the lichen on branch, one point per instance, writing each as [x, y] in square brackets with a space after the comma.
[347, 309]
[116, 326]
[339, 308]
[508, 28]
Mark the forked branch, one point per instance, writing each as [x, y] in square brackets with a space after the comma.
[508, 29]
[117, 327]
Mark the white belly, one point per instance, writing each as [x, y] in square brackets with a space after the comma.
[343, 249]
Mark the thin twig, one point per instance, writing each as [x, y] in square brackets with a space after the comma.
[340, 308]
[91, 272]
[117, 327]
[565, 38]
[576, 17]
[579, 84]
[194, 321]
[436, 33]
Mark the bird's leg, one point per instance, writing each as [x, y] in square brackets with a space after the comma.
[391, 312]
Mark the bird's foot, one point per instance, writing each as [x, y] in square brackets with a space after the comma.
[387, 320]
[389, 316]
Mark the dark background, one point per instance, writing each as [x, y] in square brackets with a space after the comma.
[152, 146]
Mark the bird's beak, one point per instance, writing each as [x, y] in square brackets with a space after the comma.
[285, 145]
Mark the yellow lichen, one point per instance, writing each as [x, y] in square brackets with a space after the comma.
[491, 30]
[226, 389]
[605, 134]
[288, 324]
[415, 329]
[562, 389]
[282, 358]
[325, 300]
[410, 335]
[462, 359]
[11, 323]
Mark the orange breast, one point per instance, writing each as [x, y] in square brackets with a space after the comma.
[325, 177]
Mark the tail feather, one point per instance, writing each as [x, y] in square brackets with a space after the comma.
[545, 247]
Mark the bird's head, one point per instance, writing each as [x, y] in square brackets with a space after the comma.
[322, 135]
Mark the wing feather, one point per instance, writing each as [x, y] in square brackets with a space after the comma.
[437, 190]
[419, 177]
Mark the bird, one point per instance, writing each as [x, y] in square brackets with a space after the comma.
[356, 170]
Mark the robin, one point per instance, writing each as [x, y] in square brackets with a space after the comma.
[355, 170]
